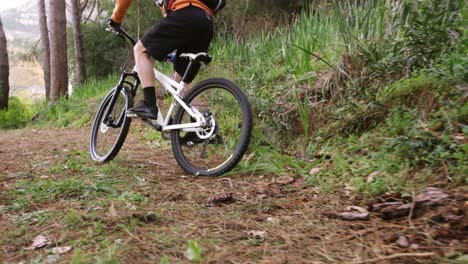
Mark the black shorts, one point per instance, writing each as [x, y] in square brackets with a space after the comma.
[188, 30]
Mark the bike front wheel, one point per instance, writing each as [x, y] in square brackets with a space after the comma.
[110, 125]
[218, 146]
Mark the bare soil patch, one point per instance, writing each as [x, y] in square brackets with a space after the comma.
[142, 207]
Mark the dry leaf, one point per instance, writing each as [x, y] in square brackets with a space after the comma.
[357, 208]
[112, 211]
[431, 196]
[220, 199]
[372, 176]
[330, 213]
[39, 242]
[351, 216]
[273, 220]
[285, 180]
[414, 246]
[61, 250]
[403, 242]
[314, 171]
[300, 183]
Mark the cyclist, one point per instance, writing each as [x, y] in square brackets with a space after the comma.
[187, 27]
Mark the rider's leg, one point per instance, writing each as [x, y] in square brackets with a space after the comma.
[144, 65]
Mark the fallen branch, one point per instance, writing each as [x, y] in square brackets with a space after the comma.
[400, 255]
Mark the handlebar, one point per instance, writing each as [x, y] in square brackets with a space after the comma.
[123, 34]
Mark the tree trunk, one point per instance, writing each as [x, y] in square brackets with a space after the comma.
[45, 43]
[4, 70]
[58, 50]
[80, 75]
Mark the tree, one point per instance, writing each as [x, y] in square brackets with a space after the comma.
[78, 42]
[58, 50]
[45, 43]
[4, 70]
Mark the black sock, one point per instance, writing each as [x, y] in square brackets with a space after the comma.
[150, 96]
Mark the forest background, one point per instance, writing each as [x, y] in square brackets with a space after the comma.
[362, 95]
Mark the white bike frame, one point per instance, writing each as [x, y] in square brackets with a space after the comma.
[176, 89]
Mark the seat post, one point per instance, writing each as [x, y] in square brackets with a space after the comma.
[188, 70]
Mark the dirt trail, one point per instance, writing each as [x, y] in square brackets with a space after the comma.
[141, 208]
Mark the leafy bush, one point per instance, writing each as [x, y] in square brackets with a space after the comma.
[103, 51]
[419, 34]
[18, 115]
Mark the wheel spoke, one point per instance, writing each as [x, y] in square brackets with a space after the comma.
[218, 146]
[110, 131]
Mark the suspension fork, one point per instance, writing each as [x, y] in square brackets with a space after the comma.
[117, 91]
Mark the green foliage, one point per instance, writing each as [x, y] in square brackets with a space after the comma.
[103, 50]
[434, 22]
[303, 109]
[414, 35]
[164, 260]
[376, 187]
[79, 108]
[244, 19]
[73, 219]
[194, 251]
[18, 115]
[133, 197]
[400, 120]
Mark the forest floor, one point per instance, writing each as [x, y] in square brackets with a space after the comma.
[56, 205]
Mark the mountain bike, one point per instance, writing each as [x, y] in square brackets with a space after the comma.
[210, 127]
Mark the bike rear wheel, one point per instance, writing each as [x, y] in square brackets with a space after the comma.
[110, 128]
[220, 145]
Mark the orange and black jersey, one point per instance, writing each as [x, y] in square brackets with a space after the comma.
[122, 6]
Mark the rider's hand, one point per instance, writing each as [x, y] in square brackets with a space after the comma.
[113, 25]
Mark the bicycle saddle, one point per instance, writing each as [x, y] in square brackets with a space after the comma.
[199, 57]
